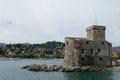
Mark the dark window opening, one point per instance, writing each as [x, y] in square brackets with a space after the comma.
[67, 42]
[92, 59]
[82, 59]
[91, 51]
[83, 50]
[99, 50]
[98, 31]
[109, 44]
[87, 42]
[102, 43]
[100, 59]
[96, 53]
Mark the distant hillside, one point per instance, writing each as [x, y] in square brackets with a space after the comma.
[50, 49]
[116, 48]
[3, 44]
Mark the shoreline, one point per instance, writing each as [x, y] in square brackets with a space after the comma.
[29, 58]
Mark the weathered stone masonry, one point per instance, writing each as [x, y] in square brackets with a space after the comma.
[91, 51]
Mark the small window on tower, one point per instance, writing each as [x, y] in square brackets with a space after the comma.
[99, 50]
[83, 51]
[91, 51]
[100, 59]
[92, 59]
[102, 43]
[96, 53]
[67, 42]
[87, 42]
[82, 59]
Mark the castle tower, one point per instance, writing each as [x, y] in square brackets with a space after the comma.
[91, 51]
[96, 33]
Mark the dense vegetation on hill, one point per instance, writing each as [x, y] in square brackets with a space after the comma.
[49, 49]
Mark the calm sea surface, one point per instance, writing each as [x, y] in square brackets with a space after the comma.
[11, 70]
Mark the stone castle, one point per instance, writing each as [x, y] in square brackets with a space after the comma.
[91, 51]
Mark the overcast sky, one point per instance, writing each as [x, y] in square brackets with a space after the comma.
[38, 21]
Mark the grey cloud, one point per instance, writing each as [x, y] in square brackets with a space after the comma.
[43, 20]
[9, 22]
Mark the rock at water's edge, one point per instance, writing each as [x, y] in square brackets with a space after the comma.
[59, 68]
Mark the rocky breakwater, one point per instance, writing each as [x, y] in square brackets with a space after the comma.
[59, 68]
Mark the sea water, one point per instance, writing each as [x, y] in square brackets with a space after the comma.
[10, 69]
